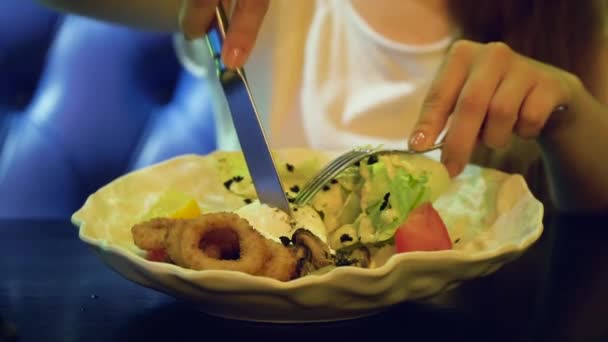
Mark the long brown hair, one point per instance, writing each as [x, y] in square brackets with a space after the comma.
[563, 33]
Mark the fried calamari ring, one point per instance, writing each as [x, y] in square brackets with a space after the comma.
[221, 241]
[217, 241]
[152, 234]
[282, 263]
[173, 242]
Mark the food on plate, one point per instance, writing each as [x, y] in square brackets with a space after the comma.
[367, 202]
[282, 263]
[216, 241]
[151, 235]
[376, 208]
[226, 241]
[173, 204]
[423, 230]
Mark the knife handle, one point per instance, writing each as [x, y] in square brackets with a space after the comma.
[215, 40]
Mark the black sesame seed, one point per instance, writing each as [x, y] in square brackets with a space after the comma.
[334, 181]
[295, 209]
[373, 159]
[345, 238]
[457, 240]
[290, 167]
[295, 188]
[357, 164]
[385, 202]
[326, 187]
[237, 178]
[291, 200]
[227, 184]
[247, 200]
[285, 240]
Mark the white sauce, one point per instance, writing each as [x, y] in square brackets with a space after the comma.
[274, 223]
[270, 222]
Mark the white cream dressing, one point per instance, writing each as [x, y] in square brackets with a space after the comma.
[274, 223]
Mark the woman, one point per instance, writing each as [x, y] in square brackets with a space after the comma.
[342, 73]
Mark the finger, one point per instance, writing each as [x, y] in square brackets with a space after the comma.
[538, 106]
[442, 94]
[504, 108]
[472, 105]
[195, 17]
[245, 25]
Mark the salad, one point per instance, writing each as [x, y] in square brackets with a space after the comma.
[368, 202]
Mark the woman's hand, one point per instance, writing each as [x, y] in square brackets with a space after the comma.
[489, 92]
[196, 16]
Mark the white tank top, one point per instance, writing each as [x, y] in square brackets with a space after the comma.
[356, 86]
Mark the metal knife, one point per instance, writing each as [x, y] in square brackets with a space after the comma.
[246, 121]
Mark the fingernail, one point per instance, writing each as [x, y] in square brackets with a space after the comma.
[454, 168]
[233, 57]
[417, 139]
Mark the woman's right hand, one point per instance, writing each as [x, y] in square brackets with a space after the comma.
[196, 16]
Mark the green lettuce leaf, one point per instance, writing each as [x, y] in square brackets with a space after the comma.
[405, 192]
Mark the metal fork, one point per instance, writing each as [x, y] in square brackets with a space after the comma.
[342, 162]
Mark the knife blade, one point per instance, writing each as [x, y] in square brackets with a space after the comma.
[245, 118]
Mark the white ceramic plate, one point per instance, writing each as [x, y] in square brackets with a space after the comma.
[493, 215]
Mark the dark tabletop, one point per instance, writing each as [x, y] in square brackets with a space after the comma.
[54, 288]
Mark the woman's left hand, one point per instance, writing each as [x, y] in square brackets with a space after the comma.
[490, 92]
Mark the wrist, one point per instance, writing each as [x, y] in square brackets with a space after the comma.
[570, 145]
[568, 116]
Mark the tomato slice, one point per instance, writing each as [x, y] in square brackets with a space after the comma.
[423, 230]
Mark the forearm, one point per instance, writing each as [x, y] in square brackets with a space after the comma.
[575, 151]
[158, 15]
